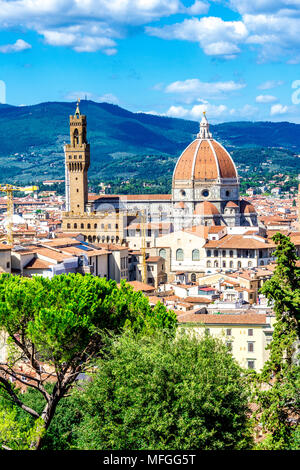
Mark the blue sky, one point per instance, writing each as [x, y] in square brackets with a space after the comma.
[236, 59]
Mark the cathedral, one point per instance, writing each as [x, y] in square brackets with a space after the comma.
[205, 191]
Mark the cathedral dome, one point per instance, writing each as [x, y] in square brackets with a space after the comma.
[206, 208]
[204, 159]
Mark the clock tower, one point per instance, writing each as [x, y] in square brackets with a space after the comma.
[77, 162]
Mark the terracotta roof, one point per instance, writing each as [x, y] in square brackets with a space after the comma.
[4, 247]
[180, 205]
[198, 300]
[204, 160]
[137, 286]
[239, 241]
[36, 263]
[223, 319]
[206, 208]
[154, 259]
[216, 228]
[231, 204]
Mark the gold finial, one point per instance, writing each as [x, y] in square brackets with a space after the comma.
[204, 113]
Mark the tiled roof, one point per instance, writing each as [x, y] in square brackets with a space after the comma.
[223, 319]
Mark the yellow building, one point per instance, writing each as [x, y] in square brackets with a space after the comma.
[246, 335]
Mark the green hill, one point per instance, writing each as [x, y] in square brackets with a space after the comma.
[126, 144]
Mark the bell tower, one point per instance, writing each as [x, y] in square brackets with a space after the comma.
[77, 162]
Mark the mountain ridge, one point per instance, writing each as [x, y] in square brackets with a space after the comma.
[32, 139]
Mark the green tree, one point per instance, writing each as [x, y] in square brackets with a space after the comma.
[59, 323]
[163, 393]
[278, 386]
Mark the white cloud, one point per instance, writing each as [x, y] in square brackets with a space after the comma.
[194, 88]
[198, 8]
[215, 36]
[18, 46]
[278, 109]
[269, 84]
[263, 6]
[85, 25]
[177, 111]
[265, 99]
[216, 113]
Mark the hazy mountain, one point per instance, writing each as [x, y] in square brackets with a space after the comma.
[32, 139]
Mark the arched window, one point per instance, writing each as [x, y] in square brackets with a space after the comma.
[88, 225]
[208, 253]
[75, 225]
[179, 255]
[81, 225]
[208, 264]
[231, 253]
[163, 253]
[224, 264]
[196, 255]
[231, 264]
[216, 253]
[250, 264]
[239, 265]
[95, 225]
[193, 277]
[76, 137]
[68, 225]
[223, 253]
[216, 264]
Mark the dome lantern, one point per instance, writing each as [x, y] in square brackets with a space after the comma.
[204, 128]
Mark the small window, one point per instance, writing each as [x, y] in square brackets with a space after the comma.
[229, 345]
[250, 332]
[251, 365]
[196, 255]
[228, 332]
[250, 347]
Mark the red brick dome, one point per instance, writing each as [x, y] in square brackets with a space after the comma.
[204, 159]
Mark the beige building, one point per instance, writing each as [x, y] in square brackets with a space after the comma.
[199, 251]
[246, 335]
[5, 258]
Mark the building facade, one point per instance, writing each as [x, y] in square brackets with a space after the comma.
[205, 191]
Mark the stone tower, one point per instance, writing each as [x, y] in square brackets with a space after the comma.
[77, 161]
